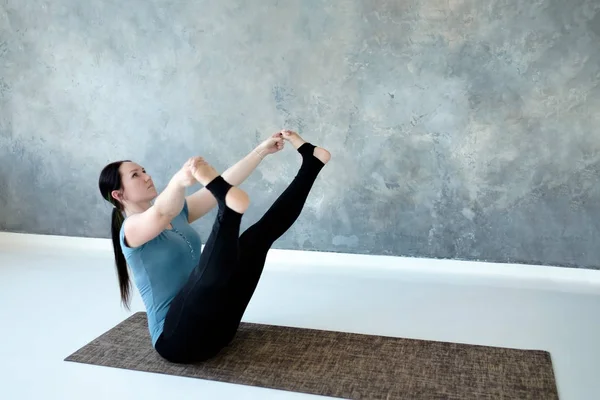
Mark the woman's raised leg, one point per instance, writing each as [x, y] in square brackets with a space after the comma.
[195, 314]
[256, 241]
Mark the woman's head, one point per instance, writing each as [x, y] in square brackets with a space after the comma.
[126, 186]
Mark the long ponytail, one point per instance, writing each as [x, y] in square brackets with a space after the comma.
[120, 263]
[110, 179]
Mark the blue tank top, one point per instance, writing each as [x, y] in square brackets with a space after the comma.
[161, 267]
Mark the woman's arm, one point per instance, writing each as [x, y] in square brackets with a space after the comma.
[202, 201]
[142, 227]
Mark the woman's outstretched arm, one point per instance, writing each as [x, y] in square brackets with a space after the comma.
[202, 201]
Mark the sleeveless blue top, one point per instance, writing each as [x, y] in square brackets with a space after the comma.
[162, 266]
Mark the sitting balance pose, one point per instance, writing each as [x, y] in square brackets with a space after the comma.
[195, 300]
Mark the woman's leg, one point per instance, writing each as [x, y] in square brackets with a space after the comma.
[194, 316]
[288, 206]
[256, 241]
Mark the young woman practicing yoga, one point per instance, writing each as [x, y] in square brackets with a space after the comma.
[194, 301]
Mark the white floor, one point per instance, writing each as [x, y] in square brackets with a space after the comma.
[53, 301]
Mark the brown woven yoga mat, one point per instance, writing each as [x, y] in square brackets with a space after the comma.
[343, 365]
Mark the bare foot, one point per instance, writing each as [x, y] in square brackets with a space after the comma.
[297, 141]
[202, 171]
[322, 154]
[293, 138]
[236, 198]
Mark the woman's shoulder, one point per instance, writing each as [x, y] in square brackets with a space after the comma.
[124, 245]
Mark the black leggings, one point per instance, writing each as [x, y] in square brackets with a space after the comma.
[205, 315]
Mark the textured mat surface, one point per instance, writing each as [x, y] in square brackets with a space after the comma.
[343, 365]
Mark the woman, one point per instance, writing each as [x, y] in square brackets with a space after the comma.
[195, 303]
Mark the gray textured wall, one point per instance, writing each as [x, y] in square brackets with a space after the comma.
[460, 129]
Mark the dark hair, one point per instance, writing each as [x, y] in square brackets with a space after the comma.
[110, 179]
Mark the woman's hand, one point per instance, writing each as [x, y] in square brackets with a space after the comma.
[272, 145]
[185, 177]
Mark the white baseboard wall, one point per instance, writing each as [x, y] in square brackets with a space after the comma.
[522, 276]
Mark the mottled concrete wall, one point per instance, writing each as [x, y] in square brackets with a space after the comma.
[459, 129]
